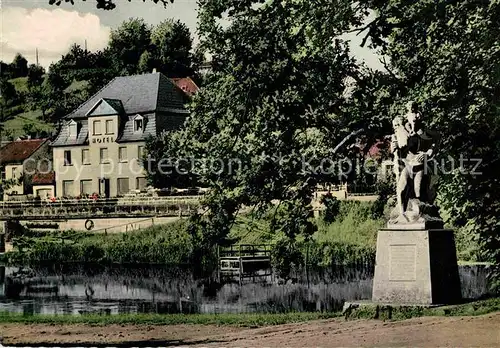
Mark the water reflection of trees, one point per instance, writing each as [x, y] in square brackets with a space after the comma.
[177, 290]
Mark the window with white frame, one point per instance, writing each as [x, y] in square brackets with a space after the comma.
[68, 188]
[103, 152]
[109, 127]
[122, 186]
[85, 156]
[140, 183]
[85, 187]
[122, 154]
[97, 128]
[140, 152]
[67, 158]
[138, 123]
[72, 129]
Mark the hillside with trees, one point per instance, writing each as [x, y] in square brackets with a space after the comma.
[34, 100]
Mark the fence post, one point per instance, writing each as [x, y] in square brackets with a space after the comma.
[218, 264]
[241, 271]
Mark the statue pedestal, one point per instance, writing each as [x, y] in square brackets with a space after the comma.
[416, 266]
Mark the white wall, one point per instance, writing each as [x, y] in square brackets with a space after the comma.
[8, 175]
[112, 225]
[114, 169]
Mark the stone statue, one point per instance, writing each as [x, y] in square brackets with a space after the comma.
[413, 146]
[399, 141]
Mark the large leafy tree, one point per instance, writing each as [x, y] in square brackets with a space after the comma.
[128, 42]
[36, 96]
[8, 98]
[35, 75]
[19, 66]
[274, 108]
[84, 72]
[171, 43]
[444, 54]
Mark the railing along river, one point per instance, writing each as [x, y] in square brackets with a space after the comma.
[127, 205]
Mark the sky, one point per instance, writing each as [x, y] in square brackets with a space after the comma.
[26, 25]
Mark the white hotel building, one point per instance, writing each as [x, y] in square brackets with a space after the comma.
[98, 147]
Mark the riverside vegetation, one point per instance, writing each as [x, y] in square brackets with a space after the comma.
[346, 235]
[349, 239]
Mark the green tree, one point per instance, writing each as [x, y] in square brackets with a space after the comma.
[5, 70]
[444, 55]
[8, 93]
[273, 109]
[19, 66]
[128, 42]
[36, 98]
[332, 207]
[35, 76]
[166, 169]
[146, 63]
[8, 98]
[88, 70]
[101, 72]
[172, 43]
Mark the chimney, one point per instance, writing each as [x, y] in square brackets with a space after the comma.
[154, 71]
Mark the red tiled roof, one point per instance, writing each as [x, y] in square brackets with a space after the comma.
[186, 84]
[20, 150]
[376, 150]
[44, 179]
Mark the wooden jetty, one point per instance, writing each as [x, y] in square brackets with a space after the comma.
[245, 261]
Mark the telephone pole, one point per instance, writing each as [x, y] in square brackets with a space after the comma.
[36, 53]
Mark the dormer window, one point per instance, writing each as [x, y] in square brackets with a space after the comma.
[72, 129]
[139, 124]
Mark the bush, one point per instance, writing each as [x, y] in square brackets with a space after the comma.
[332, 207]
[286, 256]
[167, 244]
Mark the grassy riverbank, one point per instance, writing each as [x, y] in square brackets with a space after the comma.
[164, 244]
[243, 319]
[250, 319]
[406, 312]
[350, 239]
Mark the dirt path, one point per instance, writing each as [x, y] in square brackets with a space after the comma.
[480, 331]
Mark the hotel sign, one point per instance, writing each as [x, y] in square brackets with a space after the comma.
[103, 140]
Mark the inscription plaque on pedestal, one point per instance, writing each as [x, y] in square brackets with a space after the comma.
[416, 261]
[416, 267]
[402, 264]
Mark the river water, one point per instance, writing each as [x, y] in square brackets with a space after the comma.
[112, 290]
